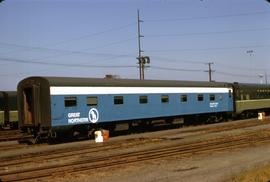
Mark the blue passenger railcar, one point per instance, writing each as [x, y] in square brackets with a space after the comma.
[53, 104]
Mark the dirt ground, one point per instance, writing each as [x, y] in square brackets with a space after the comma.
[237, 165]
[223, 166]
[245, 164]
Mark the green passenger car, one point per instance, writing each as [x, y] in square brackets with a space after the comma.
[251, 99]
[8, 109]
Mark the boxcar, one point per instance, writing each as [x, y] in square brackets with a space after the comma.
[8, 109]
[51, 105]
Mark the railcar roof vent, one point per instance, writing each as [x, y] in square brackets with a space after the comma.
[112, 76]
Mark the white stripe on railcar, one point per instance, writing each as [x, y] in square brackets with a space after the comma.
[134, 90]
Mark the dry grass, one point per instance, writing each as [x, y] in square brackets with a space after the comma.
[256, 175]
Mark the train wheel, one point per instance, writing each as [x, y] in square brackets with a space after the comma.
[91, 133]
[52, 137]
[35, 140]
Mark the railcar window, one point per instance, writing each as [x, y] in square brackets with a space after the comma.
[70, 101]
[118, 100]
[92, 101]
[200, 97]
[164, 98]
[212, 97]
[184, 98]
[143, 99]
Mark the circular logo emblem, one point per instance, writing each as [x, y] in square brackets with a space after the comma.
[93, 115]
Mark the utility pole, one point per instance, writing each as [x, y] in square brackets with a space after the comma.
[250, 52]
[142, 60]
[139, 44]
[210, 71]
[265, 76]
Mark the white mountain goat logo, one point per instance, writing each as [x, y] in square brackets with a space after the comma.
[93, 115]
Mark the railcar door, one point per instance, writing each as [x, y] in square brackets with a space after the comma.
[6, 108]
[2, 106]
[31, 106]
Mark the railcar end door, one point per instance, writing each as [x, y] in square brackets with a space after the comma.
[31, 106]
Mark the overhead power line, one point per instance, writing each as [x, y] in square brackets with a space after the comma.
[209, 17]
[164, 59]
[79, 38]
[217, 64]
[62, 50]
[235, 75]
[119, 66]
[175, 69]
[210, 33]
[112, 43]
[25, 73]
[65, 65]
[95, 34]
[194, 70]
[210, 48]
[237, 67]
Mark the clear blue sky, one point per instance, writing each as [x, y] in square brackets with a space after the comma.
[92, 38]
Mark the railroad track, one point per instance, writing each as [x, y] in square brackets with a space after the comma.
[72, 152]
[10, 165]
[195, 131]
[7, 164]
[11, 135]
[6, 133]
[230, 126]
[11, 146]
[123, 156]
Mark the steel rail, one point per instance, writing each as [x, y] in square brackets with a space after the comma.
[90, 163]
